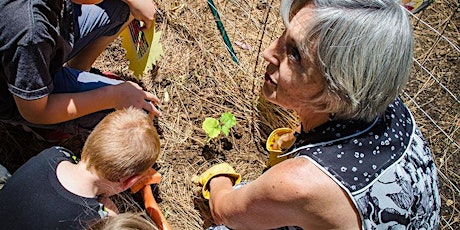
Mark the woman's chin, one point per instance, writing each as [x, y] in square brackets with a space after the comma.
[269, 93]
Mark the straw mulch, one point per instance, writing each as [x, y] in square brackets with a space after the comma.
[197, 78]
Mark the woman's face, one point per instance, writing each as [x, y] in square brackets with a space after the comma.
[291, 78]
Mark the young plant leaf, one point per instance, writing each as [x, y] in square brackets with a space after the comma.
[211, 127]
[228, 120]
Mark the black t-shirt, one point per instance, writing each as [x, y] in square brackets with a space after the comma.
[33, 197]
[35, 39]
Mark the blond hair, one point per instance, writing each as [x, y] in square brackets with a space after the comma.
[124, 221]
[124, 143]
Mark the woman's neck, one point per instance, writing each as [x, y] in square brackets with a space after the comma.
[311, 120]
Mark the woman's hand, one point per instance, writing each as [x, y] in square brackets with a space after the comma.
[281, 139]
[219, 170]
[284, 142]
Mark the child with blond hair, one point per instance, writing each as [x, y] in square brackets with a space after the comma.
[56, 190]
[125, 221]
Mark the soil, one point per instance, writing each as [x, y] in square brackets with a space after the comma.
[197, 78]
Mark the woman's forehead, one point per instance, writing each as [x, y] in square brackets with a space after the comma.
[304, 14]
[298, 26]
[297, 5]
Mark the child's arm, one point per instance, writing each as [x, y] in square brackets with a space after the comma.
[56, 108]
[142, 10]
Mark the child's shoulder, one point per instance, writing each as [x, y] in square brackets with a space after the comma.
[59, 152]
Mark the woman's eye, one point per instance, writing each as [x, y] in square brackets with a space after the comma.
[295, 54]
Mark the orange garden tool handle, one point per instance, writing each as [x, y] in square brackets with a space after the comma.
[151, 206]
[153, 209]
[150, 177]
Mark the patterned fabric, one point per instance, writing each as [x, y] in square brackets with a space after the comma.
[405, 196]
[385, 167]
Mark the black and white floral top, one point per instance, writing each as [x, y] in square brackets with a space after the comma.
[384, 166]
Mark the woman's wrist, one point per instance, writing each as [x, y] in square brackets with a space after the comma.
[220, 180]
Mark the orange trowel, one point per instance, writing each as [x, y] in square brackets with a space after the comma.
[151, 206]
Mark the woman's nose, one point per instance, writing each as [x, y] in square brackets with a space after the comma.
[270, 53]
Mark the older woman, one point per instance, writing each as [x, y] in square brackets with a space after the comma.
[358, 160]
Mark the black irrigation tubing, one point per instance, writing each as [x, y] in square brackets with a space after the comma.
[221, 28]
[262, 38]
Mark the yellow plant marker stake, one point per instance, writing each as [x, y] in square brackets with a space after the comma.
[142, 47]
[416, 6]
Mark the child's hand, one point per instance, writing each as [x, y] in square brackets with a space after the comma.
[131, 94]
[143, 10]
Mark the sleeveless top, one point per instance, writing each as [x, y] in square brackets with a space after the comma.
[385, 167]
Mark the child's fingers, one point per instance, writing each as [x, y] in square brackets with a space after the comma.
[150, 108]
[151, 97]
[146, 25]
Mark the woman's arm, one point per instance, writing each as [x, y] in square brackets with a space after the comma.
[292, 193]
[273, 200]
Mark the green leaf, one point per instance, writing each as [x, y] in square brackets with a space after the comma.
[228, 120]
[211, 127]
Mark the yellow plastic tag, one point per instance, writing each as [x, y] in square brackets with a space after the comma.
[416, 6]
[139, 46]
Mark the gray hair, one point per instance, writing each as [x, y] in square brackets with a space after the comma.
[363, 49]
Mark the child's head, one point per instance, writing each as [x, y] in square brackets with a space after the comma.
[125, 143]
[124, 221]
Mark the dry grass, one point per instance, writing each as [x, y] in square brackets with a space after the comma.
[196, 78]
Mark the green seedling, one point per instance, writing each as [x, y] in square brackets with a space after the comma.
[214, 127]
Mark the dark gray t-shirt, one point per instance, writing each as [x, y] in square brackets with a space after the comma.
[35, 39]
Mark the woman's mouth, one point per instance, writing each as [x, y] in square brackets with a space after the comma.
[269, 79]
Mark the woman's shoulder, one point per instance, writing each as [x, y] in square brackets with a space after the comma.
[310, 192]
[300, 175]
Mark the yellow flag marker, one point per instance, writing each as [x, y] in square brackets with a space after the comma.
[143, 48]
